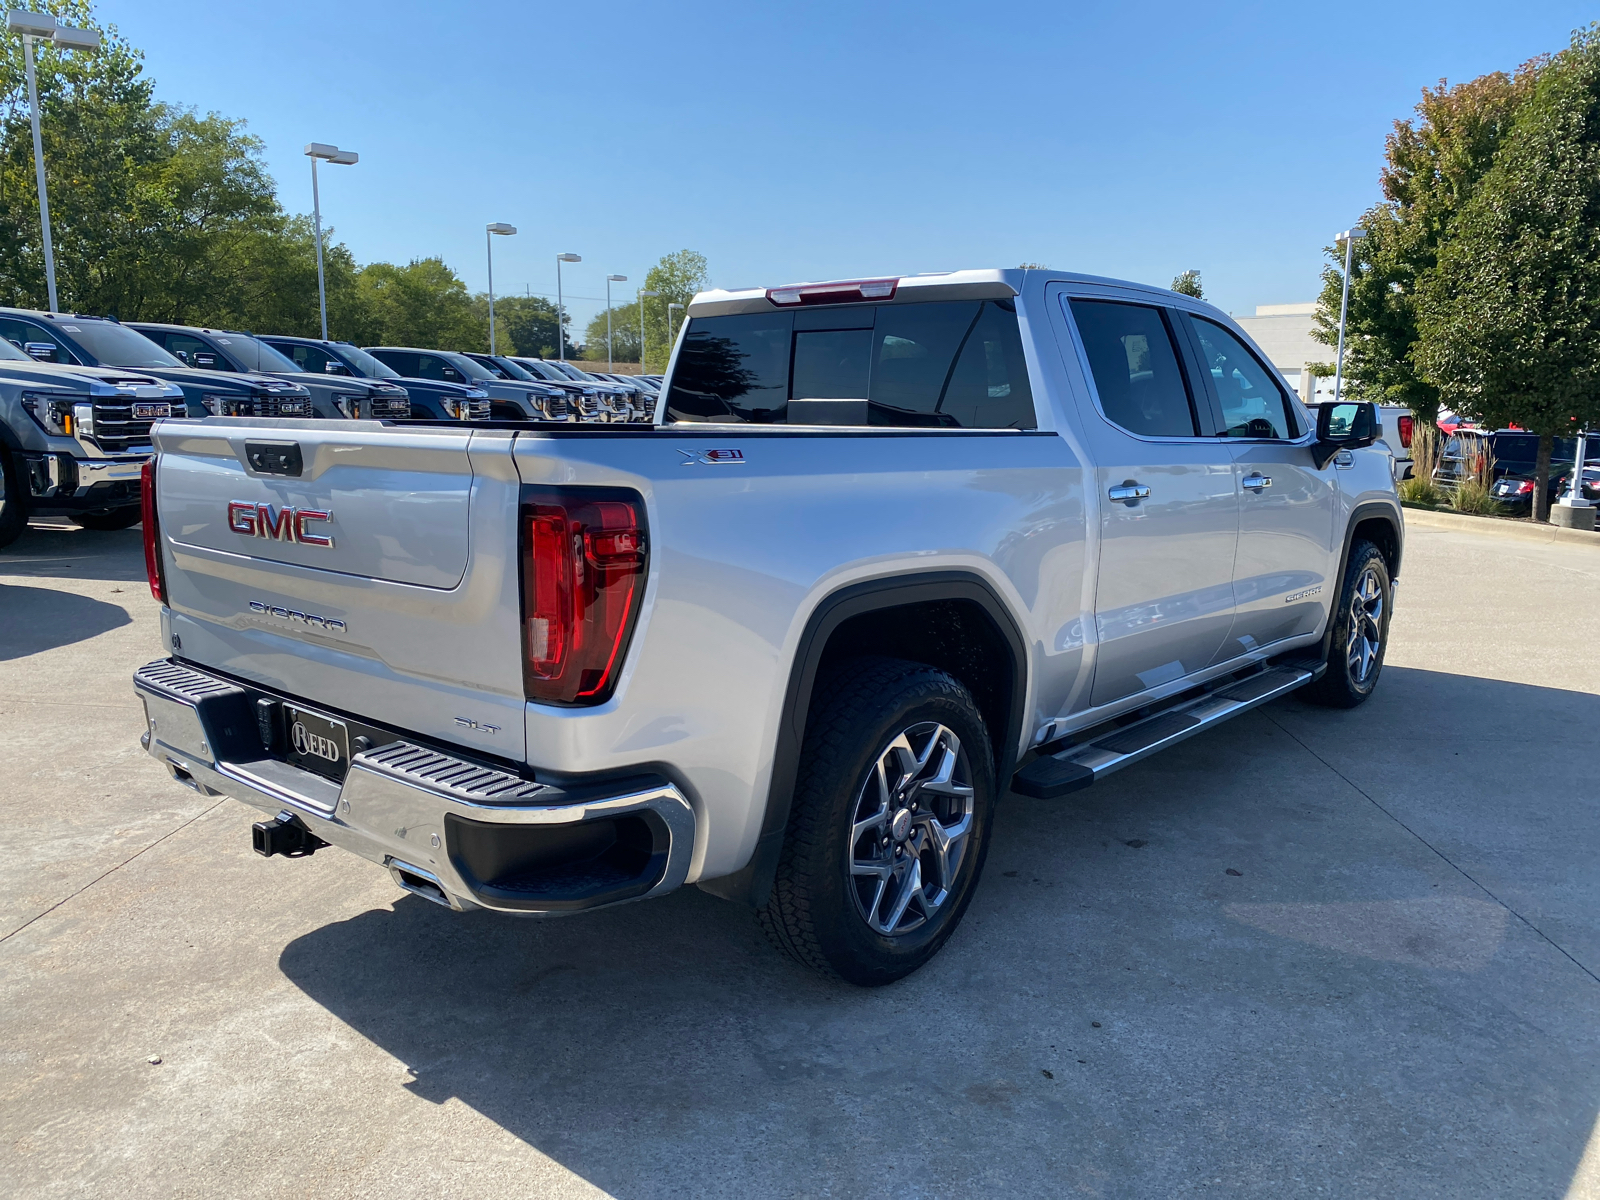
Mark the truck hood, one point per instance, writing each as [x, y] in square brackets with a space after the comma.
[97, 381]
[224, 381]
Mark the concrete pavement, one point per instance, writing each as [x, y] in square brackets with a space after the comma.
[1310, 953]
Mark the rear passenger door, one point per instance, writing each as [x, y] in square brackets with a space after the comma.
[1282, 583]
[1169, 509]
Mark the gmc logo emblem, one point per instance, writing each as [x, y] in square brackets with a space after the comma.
[286, 525]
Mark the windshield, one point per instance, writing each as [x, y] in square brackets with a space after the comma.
[468, 367]
[572, 372]
[118, 346]
[11, 353]
[513, 370]
[544, 370]
[256, 355]
[366, 365]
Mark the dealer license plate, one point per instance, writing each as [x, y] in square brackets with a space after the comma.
[151, 412]
[316, 743]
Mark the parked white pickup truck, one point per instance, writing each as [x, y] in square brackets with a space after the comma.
[892, 546]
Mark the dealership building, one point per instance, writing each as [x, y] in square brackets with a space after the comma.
[1284, 332]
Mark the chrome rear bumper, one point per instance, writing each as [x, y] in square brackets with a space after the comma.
[455, 831]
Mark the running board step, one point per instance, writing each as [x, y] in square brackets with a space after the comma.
[1077, 767]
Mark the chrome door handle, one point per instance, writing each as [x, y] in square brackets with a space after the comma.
[1257, 481]
[1129, 492]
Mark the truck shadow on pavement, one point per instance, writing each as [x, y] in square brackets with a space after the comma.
[35, 619]
[64, 551]
[1214, 966]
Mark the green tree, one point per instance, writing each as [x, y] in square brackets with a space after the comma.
[1509, 319]
[677, 277]
[523, 325]
[1431, 169]
[423, 303]
[624, 335]
[1188, 284]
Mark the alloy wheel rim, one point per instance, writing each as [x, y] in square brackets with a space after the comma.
[910, 827]
[1366, 626]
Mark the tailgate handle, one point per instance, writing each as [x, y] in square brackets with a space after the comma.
[274, 458]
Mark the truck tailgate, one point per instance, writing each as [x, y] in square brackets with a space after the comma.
[378, 578]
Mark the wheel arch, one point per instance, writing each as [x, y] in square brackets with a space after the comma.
[841, 626]
[1381, 524]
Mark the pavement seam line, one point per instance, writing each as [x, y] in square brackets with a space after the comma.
[1446, 858]
[112, 871]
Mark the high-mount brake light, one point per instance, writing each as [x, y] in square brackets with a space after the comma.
[1407, 424]
[844, 291]
[583, 563]
[152, 531]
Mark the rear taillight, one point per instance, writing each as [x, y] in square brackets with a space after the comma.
[844, 291]
[583, 562]
[152, 531]
[1406, 424]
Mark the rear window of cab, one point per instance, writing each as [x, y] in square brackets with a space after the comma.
[950, 364]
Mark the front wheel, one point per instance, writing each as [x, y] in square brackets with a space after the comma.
[1360, 631]
[890, 823]
[110, 522]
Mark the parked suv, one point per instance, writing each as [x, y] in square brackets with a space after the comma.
[430, 398]
[103, 342]
[229, 350]
[893, 547]
[509, 399]
[74, 441]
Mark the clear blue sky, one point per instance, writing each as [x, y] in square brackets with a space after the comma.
[814, 141]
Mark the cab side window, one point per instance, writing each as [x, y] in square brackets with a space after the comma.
[1135, 366]
[36, 342]
[197, 353]
[308, 358]
[432, 367]
[1253, 403]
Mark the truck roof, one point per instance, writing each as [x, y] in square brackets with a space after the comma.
[994, 283]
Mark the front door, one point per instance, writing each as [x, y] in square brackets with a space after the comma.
[1282, 579]
[1168, 503]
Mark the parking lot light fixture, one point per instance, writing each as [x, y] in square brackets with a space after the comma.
[561, 308]
[610, 279]
[491, 229]
[340, 158]
[1349, 237]
[643, 293]
[33, 25]
[1574, 497]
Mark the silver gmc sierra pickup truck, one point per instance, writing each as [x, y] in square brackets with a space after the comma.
[891, 548]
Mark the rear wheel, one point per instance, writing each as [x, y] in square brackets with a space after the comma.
[117, 518]
[890, 823]
[13, 505]
[1360, 631]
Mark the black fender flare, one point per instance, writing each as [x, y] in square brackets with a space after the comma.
[752, 884]
[1362, 512]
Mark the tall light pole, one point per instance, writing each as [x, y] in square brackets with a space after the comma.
[561, 309]
[39, 25]
[671, 333]
[642, 294]
[1349, 237]
[343, 158]
[610, 279]
[504, 230]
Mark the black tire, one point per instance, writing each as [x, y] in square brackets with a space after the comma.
[1360, 631]
[13, 501]
[110, 522]
[819, 910]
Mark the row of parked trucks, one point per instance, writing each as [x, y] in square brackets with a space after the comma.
[78, 396]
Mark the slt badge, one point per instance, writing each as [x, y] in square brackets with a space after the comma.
[693, 458]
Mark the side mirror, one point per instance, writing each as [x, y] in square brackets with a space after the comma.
[1343, 426]
[334, 368]
[41, 351]
[182, 356]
